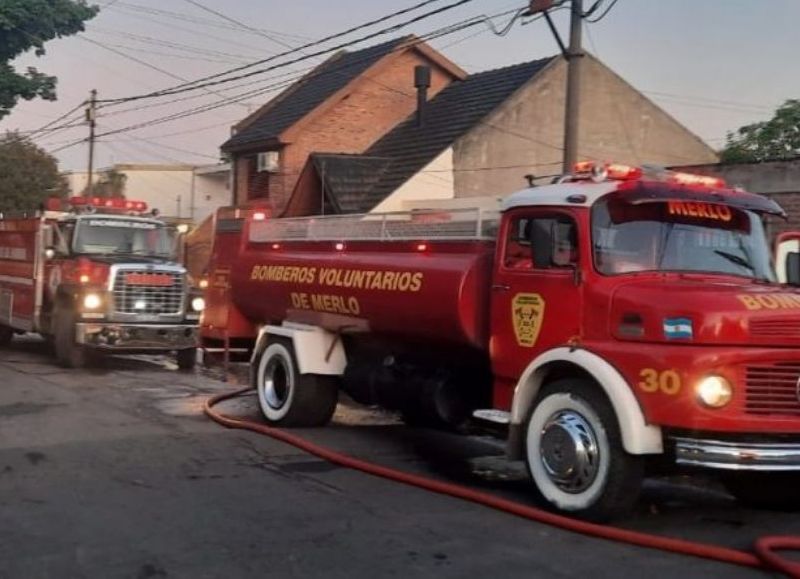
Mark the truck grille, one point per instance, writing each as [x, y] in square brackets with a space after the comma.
[148, 292]
[775, 328]
[773, 389]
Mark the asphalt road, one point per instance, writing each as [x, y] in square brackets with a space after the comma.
[114, 472]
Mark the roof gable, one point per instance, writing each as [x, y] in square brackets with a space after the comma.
[450, 115]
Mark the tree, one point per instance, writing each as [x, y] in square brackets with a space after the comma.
[29, 174]
[110, 183]
[26, 24]
[775, 139]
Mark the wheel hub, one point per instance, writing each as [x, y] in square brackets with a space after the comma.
[569, 451]
[276, 384]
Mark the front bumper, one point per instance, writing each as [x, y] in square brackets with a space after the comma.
[136, 337]
[716, 454]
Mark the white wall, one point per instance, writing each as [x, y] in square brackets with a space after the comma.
[434, 181]
[168, 190]
[211, 191]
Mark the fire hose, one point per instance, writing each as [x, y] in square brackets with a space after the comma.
[765, 554]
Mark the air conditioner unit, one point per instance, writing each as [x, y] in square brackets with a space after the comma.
[267, 162]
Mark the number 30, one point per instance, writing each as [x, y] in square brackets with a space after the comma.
[668, 381]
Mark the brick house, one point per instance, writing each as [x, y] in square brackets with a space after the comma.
[343, 105]
[482, 134]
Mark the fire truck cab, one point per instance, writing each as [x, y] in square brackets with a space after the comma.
[96, 276]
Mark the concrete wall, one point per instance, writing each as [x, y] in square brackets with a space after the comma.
[434, 182]
[349, 123]
[525, 135]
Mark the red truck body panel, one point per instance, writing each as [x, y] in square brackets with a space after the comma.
[432, 293]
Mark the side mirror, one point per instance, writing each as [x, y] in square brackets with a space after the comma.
[787, 249]
[793, 268]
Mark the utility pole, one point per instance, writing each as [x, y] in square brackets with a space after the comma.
[574, 56]
[91, 118]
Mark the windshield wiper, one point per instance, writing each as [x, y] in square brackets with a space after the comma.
[737, 259]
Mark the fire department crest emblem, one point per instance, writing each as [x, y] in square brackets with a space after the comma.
[527, 312]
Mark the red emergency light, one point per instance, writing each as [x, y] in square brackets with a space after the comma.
[692, 179]
[602, 171]
[115, 203]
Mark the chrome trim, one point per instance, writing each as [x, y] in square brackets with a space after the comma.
[157, 337]
[135, 317]
[722, 455]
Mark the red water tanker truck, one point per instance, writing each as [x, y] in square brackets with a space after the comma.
[611, 324]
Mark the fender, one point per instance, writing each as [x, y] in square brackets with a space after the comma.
[317, 351]
[638, 437]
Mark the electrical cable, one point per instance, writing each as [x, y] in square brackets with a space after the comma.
[209, 80]
[604, 14]
[764, 557]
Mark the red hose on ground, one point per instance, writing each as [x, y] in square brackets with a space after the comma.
[765, 556]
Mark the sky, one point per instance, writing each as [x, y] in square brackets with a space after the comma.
[714, 65]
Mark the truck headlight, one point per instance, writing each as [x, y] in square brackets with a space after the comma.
[198, 304]
[714, 391]
[92, 301]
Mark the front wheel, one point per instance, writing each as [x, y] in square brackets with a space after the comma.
[6, 335]
[288, 398]
[186, 359]
[575, 455]
[69, 353]
[765, 490]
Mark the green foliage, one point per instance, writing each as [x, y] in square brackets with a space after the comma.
[775, 139]
[110, 183]
[28, 174]
[28, 24]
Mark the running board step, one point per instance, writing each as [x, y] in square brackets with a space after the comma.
[492, 415]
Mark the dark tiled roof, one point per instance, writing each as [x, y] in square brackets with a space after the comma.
[347, 177]
[309, 92]
[448, 116]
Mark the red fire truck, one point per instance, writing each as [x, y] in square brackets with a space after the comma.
[613, 323]
[96, 276]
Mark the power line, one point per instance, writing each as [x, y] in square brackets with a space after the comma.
[145, 63]
[255, 92]
[149, 40]
[180, 16]
[604, 14]
[242, 25]
[209, 80]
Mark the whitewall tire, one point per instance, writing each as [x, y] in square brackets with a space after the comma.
[288, 398]
[574, 452]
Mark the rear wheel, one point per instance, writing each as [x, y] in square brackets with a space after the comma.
[288, 398]
[69, 353]
[575, 454]
[772, 491]
[186, 359]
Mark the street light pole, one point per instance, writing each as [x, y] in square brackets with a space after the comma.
[574, 57]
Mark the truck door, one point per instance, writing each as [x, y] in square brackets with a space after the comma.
[536, 297]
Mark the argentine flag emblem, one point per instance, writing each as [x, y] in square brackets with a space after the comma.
[677, 328]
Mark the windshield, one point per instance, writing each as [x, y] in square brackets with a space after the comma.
[678, 236]
[105, 235]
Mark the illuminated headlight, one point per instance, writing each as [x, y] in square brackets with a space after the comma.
[92, 301]
[198, 304]
[714, 391]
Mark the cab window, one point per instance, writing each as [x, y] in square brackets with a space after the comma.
[541, 242]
